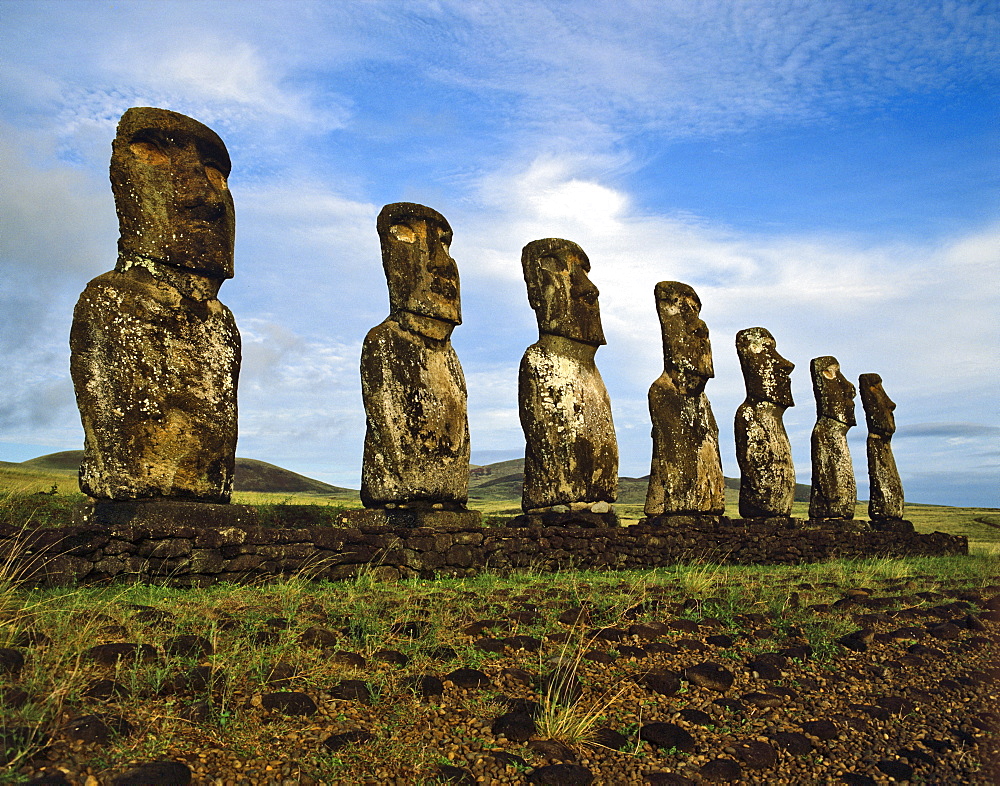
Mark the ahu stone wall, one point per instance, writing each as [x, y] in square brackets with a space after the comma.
[180, 554]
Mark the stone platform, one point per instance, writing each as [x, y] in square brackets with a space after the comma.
[180, 553]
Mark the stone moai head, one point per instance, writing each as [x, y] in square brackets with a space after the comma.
[834, 392]
[168, 176]
[422, 276]
[877, 404]
[687, 350]
[768, 376]
[563, 297]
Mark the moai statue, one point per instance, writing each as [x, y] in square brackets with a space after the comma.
[416, 455]
[885, 499]
[763, 452]
[155, 357]
[686, 475]
[571, 453]
[834, 492]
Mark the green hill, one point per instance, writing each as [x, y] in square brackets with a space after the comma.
[251, 475]
[502, 482]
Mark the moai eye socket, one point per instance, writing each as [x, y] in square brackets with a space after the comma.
[149, 153]
[831, 372]
[216, 178]
[404, 233]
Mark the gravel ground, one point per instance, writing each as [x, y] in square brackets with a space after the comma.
[890, 683]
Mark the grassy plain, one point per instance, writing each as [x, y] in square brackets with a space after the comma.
[221, 727]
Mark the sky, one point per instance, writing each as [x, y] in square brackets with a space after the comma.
[827, 169]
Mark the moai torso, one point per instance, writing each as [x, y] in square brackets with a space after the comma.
[686, 472]
[155, 356]
[834, 492]
[571, 453]
[763, 452]
[417, 439]
[885, 499]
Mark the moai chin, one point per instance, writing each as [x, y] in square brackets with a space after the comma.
[686, 473]
[885, 499]
[763, 452]
[155, 356]
[834, 492]
[416, 452]
[571, 453]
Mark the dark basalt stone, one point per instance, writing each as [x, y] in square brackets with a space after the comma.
[822, 729]
[765, 700]
[11, 661]
[609, 738]
[112, 654]
[698, 717]
[515, 726]
[553, 750]
[899, 770]
[321, 638]
[354, 737]
[106, 689]
[711, 676]
[667, 735]
[793, 742]
[508, 759]
[97, 729]
[756, 755]
[188, 646]
[425, 685]
[351, 659]
[289, 703]
[451, 774]
[392, 657]
[157, 773]
[664, 683]
[721, 771]
[352, 690]
[561, 775]
[468, 678]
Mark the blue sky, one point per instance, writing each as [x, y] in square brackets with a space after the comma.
[828, 170]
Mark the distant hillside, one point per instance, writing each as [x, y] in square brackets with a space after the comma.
[251, 475]
[502, 481]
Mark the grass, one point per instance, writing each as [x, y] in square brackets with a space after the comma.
[369, 613]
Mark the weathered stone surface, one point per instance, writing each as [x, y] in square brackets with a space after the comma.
[885, 497]
[155, 356]
[763, 452]
[411, 517]
[325, 552]
[571, 453]
[417, 440]
[686, 473]
[834, 492]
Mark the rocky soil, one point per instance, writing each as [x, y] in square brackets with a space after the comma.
[894, 682]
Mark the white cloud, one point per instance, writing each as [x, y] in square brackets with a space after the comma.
[922, 315]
